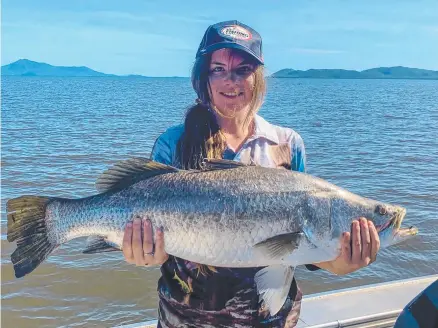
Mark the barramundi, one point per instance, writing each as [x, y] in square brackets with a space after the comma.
[226, 214]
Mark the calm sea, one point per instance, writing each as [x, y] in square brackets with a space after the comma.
[375, 137]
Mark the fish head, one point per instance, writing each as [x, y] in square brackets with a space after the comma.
[387, 218]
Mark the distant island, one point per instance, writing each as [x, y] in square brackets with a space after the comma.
[25, 67]
[397, 72]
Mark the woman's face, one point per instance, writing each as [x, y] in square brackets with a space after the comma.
[231, 81]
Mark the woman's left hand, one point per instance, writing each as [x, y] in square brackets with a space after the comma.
[357, 250]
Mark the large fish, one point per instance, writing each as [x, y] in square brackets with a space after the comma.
[227, 215]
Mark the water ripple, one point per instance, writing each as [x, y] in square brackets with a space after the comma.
[375, 137]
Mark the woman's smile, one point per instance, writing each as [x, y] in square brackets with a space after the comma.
[231, 95]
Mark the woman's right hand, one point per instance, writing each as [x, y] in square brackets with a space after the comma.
[138, 244]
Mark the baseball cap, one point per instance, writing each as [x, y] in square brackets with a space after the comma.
[231, 34]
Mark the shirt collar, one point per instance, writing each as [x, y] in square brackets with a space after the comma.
[264, 129]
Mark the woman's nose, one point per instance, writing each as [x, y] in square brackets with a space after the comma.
[232, 76]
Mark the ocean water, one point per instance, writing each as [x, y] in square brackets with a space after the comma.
[375, 137]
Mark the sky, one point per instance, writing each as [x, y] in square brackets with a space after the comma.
[160, 38]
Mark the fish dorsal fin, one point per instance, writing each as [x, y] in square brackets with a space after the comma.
[128, 172]
[220, 164]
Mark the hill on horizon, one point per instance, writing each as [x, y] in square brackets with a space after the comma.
[396, 72]
[26, 67]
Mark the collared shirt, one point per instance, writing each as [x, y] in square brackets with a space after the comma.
[227, 297]
[269, 146]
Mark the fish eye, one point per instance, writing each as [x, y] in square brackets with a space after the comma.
[381, 209]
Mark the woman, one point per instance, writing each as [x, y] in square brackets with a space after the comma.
[228, 79]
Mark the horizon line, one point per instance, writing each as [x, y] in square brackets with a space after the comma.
[177, 76]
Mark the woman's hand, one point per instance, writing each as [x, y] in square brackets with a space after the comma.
[357, 251]
[138, 244]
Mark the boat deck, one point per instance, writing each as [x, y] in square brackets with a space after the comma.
[372, 306]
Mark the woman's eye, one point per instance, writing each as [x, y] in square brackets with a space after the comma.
[217, 69]
[244, 70]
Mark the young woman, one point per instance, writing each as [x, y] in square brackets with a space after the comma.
[229, 81]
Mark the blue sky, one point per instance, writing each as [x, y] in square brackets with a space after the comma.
[160, 38]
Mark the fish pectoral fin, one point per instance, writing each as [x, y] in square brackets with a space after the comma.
[273, 285]
[279, 246]
[128, 172]
[98, 244]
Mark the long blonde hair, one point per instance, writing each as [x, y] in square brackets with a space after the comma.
[202, 137]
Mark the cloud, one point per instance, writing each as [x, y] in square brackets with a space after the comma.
[315, 51]
[113, 16]
[355, 26]
[433, 29]
[118, 15]
[93, 46]
[188, 19]
[384, 45]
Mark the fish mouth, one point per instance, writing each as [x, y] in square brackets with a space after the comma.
[395, 222]
[392, 232]
[398, 218]
[406, 232]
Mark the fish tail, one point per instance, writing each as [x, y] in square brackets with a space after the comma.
[27, 226]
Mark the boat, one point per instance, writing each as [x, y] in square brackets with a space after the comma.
[368, 306]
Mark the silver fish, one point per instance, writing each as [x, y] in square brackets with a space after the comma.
[226, 215]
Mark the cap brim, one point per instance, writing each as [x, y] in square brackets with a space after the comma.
[230, 45]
